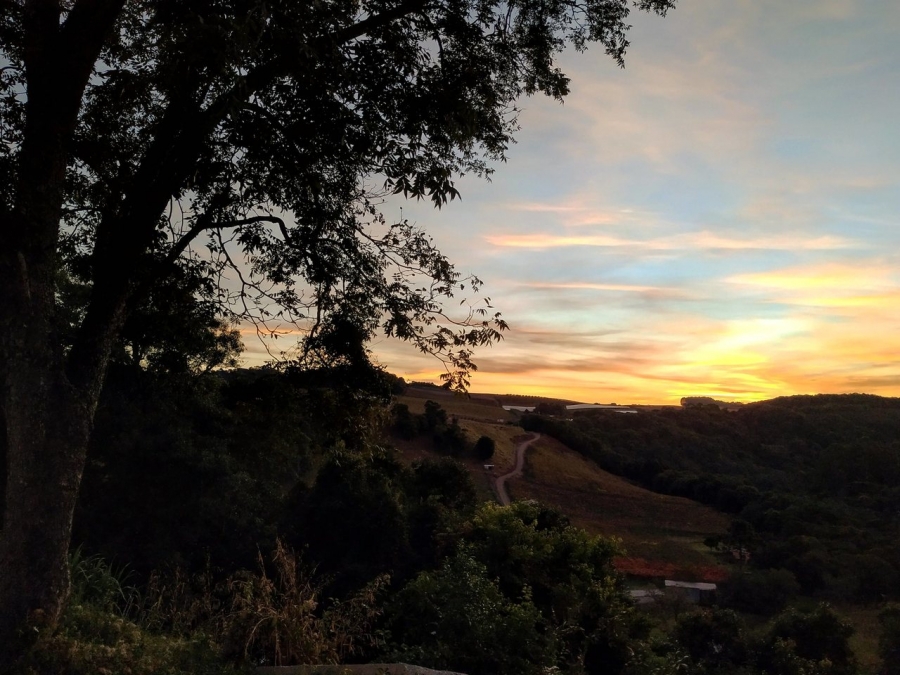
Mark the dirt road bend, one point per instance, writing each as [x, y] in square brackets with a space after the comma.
[502, 494]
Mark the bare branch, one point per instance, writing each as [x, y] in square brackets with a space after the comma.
[201, 225]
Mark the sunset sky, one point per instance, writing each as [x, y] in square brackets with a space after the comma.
[721, 217]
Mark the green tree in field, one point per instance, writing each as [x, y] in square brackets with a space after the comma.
[403, 422]
[569, 576]
[458, 618]
[484, 448]
[434, 417]
[451, 440]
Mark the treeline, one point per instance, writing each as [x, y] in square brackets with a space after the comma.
[812, 481]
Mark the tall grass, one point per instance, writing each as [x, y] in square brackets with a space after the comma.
[100, 632]
[275, 615]
[101, 584]
[191, 625]
[277, 618]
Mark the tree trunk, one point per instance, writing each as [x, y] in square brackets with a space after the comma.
[46, 417]
[47, 430]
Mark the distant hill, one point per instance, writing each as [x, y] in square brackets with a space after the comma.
[696, 401]
[523, 400]
[813, 482]
[813, 401]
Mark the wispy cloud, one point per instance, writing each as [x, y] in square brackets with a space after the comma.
[586, 286]
[720, 217]
[705, 240]
[867, 284]
[868, 275]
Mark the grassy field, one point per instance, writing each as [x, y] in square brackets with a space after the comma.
[462, 407]
[662, 535]
[504, 437]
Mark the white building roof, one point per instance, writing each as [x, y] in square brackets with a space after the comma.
[700, 586]
[599, 406]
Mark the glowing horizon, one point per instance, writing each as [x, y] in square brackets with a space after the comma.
[720, 218]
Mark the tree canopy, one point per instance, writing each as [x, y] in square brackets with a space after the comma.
[252, 142]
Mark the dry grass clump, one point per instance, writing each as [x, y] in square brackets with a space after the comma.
[190, 625]
[275, 618]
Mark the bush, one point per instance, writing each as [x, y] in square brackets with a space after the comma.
[713, 639]
[818, 636]
[91, 640]
[451, 440]
[766, 592]
[889, 640]
[458, 618]
[484, 448]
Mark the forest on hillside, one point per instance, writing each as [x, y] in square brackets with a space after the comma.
[812, 482]
[235, 518]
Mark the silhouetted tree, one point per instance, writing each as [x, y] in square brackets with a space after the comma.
[143, 136]
[484, 448]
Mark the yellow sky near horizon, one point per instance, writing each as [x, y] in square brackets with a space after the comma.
[719, 218]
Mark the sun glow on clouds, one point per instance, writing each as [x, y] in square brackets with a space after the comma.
[868, 293]
[687, 241]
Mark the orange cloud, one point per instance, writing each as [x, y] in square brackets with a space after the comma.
[689, 241]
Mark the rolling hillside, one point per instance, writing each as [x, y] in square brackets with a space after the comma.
[662, 535]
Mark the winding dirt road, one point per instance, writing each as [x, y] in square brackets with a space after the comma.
[517, 471]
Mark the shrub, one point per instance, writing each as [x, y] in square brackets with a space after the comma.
[764, 592]
[818, 636]
[484, 448]
[91, 640]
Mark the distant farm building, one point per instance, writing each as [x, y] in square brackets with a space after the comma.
[577, 407]
[599, 406]
[698, 593]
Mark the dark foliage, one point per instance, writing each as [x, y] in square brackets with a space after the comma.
[484, 448]
[813, 481]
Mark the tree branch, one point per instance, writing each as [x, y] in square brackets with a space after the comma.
[201, 226]
[376, 21]
[173, 154]
[89, 22]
